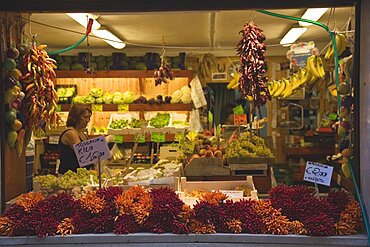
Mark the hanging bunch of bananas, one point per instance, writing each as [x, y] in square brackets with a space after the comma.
[234, 83]
[285, 87]
[341, 41]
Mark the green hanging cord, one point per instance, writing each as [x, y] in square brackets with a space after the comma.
[68, 48]
[332, 36]
[88, 30]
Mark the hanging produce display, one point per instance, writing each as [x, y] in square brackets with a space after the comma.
[13, 99]
[251, 49]
[41, 98]
[164, 73]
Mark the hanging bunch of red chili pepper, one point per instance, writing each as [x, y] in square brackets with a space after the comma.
[41, 98]
[252, 80]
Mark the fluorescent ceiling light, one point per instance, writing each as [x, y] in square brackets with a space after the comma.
[312, 14]
[83, 19]
[110, 38]
[291, 36]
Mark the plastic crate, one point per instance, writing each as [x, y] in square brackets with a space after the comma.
[123, 116]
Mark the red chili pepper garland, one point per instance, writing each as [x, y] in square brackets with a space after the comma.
[252, 79]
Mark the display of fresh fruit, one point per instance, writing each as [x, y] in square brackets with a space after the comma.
[99, 130]
[69, 179]
[136, 123]
[341, 41]
[160, 120]
[285, 87]
[248, 146]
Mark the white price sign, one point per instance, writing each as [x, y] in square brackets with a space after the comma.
[318, 173]
[233, 193]
[91, 151]
[53, 139]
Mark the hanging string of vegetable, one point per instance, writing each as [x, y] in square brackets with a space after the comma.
[41, 98]
[164, 73]
[253, 67]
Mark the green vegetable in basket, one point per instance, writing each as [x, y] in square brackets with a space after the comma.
[160, 120]
[119, 124]
[96, 92]
[136, 123]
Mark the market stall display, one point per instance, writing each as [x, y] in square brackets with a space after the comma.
[162, 211]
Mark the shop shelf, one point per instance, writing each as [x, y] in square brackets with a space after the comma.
[139, 107]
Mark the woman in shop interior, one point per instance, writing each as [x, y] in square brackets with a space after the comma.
[78, 118]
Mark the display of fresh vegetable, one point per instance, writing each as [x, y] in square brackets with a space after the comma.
[79, 99]
[128, 97]
[41, 98]
[119, 124]
[176, 97]
[253, 67]
[96, 92]
[117, 98]
[66, 91]
[141, 100]
[160, 120]
[136, 123]
[108, 98]
[186, 95]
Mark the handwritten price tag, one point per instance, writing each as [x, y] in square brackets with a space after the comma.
[59, 108]
[240, 119]
[97, 107]
[118, 139]
[318, 173]
[91, 151]
[123, 108]
[158, 137]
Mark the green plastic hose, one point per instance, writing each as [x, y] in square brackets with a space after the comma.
[332, 36]
[68, 48]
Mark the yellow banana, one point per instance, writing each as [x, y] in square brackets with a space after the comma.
[280, 89]
[288, 89]
[339, 41]
[236, 86]
[269, 86]
[329, 51]
[320, 68]
[275, 86]
[311, 65]
[343, 43]
[294, 80]
[233, 81]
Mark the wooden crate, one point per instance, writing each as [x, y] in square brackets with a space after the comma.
[248, 169]
[206, 167]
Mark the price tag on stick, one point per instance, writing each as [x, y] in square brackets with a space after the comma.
[91, 151]
[318, 173]
[158, 137]
[96, 107]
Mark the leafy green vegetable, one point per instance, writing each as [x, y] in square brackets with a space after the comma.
[160, 120]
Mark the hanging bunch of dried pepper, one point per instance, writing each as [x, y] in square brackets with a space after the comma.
[38, 79]
[252, 80]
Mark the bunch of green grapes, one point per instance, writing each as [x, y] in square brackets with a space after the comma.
[47, 181]
[71, 179]
[248, 147]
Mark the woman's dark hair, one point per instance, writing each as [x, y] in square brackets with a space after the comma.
[75, 114]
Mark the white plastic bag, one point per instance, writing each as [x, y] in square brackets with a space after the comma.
[197, 94]
[195, 124]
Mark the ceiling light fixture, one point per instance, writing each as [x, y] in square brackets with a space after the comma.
[110, 38]
[312, 14]
[104, 34]
[291, 36]
[83, 19]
